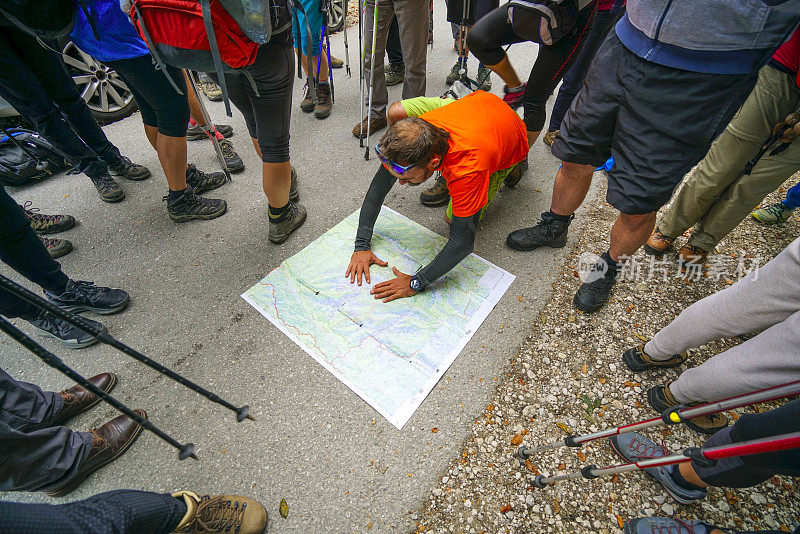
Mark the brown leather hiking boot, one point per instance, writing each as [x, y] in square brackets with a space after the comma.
[662, 399]
[307, 104]
[657, 244]
[78, 399]
[221, 513]
[376, 123]
[638, 360]
[550, 137]
[110, 441]
[56, 247]
[322, 109]
[691, 255]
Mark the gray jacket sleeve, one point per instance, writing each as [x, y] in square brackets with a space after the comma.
[458, 247]
[376, 194]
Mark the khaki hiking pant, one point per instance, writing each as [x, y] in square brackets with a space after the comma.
[764, 301]
[717, 196]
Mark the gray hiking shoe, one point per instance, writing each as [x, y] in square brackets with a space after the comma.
[454, 73]
[484, 77]
[279, 232]
[294, 193]
[71, 336]
[395, 73]
[108, 189]
[666, 525]
[125, 168]
[200, 182]
[191, 206]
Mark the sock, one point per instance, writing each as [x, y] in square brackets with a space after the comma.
[612, 265]
[175, 195]
[278, 215]
[516, 89]
[324, 83]
[560, 218]
[682, 482]
[192, 122]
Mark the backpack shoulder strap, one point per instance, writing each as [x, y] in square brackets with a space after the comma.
[212, 41]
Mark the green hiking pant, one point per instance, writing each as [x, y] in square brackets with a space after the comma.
[716, 197]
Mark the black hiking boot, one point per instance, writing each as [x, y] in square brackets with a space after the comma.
[127, 169]
[662, 399]
[549, 232]
[79, 296]
[191, 206]
[71, 336]
[200, 182]
[437, 195]
[232, 159]
[516, 174]
[593, 294]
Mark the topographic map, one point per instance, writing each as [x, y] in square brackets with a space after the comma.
[392, 354]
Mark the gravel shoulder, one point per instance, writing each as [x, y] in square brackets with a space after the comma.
[570, 359]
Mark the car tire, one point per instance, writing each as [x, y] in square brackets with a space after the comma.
[336, 16]
[102, 89]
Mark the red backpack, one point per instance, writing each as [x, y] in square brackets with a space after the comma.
[208, 35]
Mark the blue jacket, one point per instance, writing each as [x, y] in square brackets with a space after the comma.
[118, 38]
[712, 36]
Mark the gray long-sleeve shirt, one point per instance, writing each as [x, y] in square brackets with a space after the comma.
[458, 247]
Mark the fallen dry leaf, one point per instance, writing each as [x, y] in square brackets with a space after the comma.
[435, 429]
[517, 439]
[284, 509]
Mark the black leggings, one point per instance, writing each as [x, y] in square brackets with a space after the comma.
[487, 38]
[267, 115]
[159, 102]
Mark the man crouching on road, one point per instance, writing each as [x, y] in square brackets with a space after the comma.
[474, 142]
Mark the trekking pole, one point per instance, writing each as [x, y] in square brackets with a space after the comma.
[361, 81]
[185, 450]
[209, 124]
[371, 76]
[673, 416]
[703, 457]
[242, 413]
[346, 48]
[330, 64]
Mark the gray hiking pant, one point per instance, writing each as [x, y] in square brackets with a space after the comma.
[412, 20]
[767, 301]
[34, 455]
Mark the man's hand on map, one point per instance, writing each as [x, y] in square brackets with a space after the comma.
[396, 288]
[359, 265]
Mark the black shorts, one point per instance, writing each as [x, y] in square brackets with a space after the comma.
[656, 121]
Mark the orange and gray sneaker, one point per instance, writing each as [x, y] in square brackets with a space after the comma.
[221, 513]
[662, 399]
[638, 360]
[689, 255]
[658, 243]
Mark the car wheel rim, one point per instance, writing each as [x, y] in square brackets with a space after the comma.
[335, 14]
[100, 86]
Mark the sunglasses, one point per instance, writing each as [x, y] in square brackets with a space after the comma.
[391, 165]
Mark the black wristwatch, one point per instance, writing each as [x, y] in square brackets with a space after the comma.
[416, 284]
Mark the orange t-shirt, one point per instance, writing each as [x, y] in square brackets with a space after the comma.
[486, 136]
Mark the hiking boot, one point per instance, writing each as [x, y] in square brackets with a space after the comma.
[437, 195]
[221, 513]
[774, 213]
[47, 224]
[201, 182]
[108, 189]
[633, 447]
[70, 336]
[279, 232]
[455, 73]
[191, 206]
[210, 88]
[110, 441]
[513, 98]
[79, 296]
[657, 244]
[375, 124]
[662, 399]
[395, 73]
[638, 360]
[593, 295]
[322, 109]
[666, 525]
[484, 77]
[125, 168]
[78, 399]
[231, 158]
[307, 104]
[336, 63]
[547, 232]
[550, 137]
[56, 247]
[690, 255]
[197, 133]
[516, 174]
[294, 193]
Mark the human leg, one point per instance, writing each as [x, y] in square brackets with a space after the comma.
[486, 39]
[412, 20]
[26, 407]
[376, 74]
